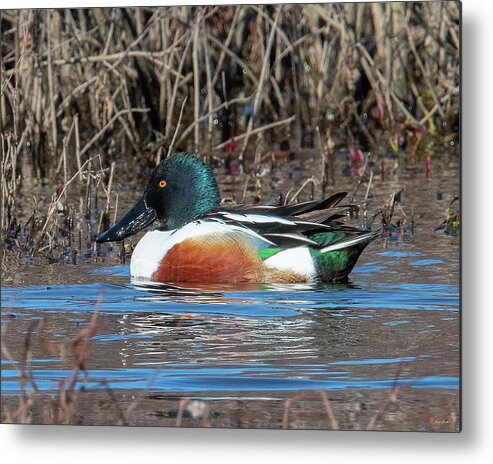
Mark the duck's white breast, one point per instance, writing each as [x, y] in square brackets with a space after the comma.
[148, 253]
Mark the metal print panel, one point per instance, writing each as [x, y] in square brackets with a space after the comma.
[232, 216]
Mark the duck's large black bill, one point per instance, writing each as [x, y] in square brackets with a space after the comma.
[136, 219]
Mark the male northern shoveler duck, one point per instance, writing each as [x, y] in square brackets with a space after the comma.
[199, 241]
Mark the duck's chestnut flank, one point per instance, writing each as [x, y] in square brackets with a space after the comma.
[226, 258]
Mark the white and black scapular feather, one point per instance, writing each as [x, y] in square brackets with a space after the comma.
[289, 225]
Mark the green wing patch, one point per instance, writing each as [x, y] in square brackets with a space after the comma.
[324, 239]
[268, 252]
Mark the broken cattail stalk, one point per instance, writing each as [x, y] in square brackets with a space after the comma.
[101, 219]
[177, 128]
[247, 178]
[108, 189]
[159, 155]
[87, 211]
[51, 85]
[116, 209]
[329, 143]
[196, 82]
[369, 185]
[323, 154]
[210, 92]
[259, 94]
[77, 146]
[171, 105]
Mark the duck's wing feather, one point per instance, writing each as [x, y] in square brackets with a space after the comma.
[289, 225]
[298, 209]
[282, 232]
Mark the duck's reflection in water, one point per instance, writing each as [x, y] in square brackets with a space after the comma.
[284, 330]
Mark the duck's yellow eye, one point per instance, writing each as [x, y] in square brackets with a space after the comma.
[162, 183]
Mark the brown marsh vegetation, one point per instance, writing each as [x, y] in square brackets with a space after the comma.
[84, 89]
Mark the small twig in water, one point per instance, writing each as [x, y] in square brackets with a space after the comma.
[311, 180]
[392, 399]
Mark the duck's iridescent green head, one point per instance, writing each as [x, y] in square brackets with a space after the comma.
[181, 188]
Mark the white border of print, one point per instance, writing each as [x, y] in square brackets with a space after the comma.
[39, 444]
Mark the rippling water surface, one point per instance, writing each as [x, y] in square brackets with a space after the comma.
[395, 323]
